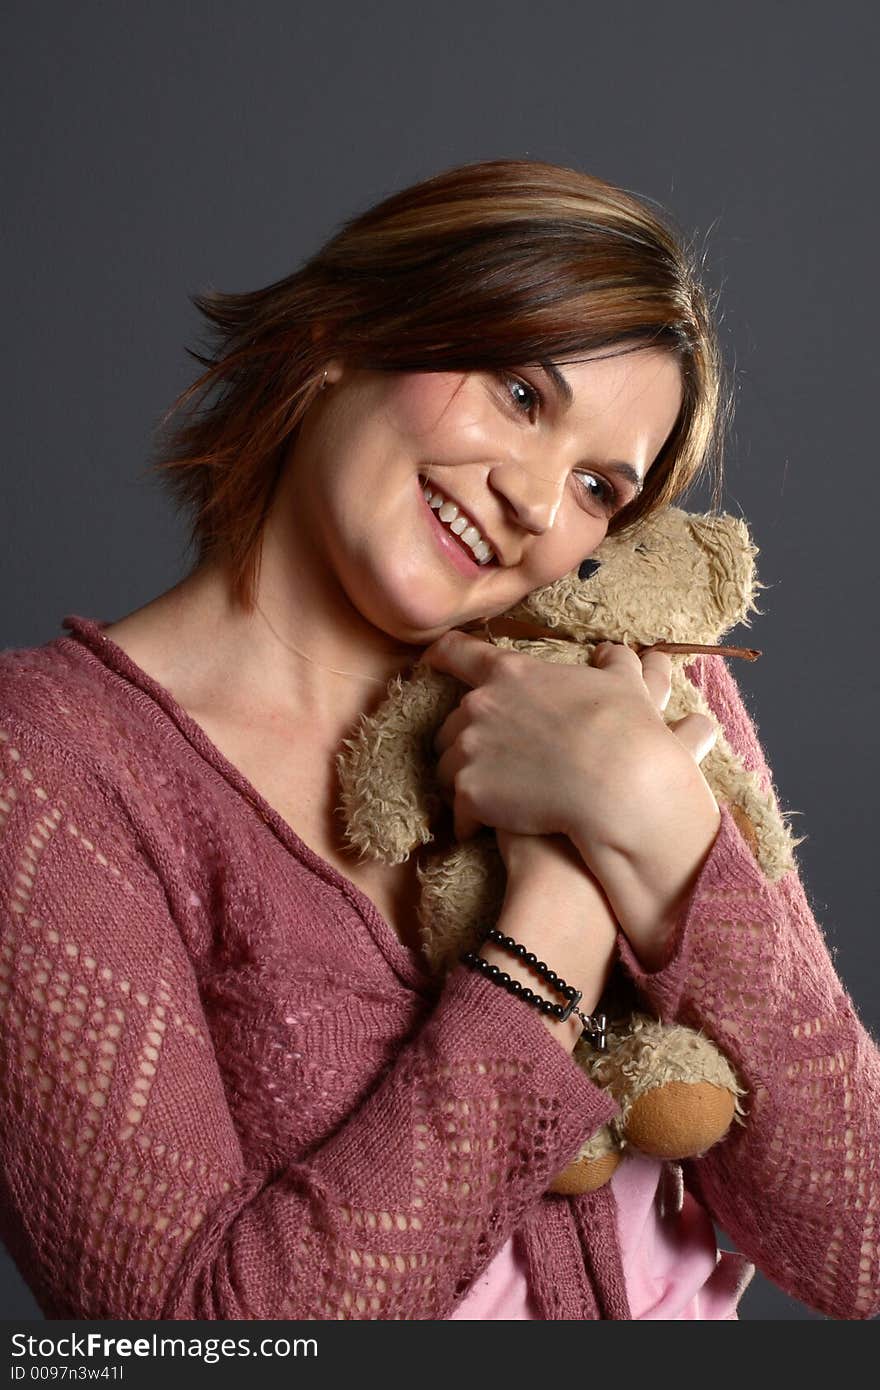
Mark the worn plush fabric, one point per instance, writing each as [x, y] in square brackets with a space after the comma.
[227, 1089]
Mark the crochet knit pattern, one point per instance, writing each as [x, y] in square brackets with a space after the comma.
[227, 1089]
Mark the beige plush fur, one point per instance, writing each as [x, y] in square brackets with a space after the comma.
[678, 577]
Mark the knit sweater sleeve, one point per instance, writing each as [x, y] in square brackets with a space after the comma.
[798, 1187]
[125, 1192]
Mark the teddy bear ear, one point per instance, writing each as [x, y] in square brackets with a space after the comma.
[730, 552]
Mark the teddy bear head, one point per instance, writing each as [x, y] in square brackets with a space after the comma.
[676, 577]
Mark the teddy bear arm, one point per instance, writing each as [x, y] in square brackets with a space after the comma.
[386, 771]
[592, 1167]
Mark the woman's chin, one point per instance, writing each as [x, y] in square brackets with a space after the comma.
[420, 630]
[415, 604]
[416, 619]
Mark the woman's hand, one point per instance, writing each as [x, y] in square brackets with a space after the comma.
[541, 749]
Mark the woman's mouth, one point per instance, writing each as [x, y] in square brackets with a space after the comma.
[460, 539]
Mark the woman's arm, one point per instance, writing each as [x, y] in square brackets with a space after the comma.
[797, 1189]
[125, 1190]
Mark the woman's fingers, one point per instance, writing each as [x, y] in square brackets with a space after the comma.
[459, 654]
[464, 825]
[697, 732]
[451, 773]
[500, 758]
[655, 668]
[451, 728]
[657, 674]
[610, 654]
[447, 766]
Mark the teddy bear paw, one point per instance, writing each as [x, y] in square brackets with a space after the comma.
[593, 1167]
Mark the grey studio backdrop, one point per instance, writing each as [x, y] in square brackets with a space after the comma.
[150, 153]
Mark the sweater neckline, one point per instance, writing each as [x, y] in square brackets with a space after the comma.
[149, 693]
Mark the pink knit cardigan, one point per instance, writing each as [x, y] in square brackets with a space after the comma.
[228, 1090]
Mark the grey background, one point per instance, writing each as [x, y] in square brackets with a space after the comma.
[153, 152]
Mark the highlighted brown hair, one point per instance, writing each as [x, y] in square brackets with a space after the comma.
[495, 264]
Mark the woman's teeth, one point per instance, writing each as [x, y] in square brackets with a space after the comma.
[460, 525]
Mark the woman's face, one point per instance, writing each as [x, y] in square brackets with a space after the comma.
[532, 476]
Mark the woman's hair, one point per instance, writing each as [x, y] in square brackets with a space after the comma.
[490, 265]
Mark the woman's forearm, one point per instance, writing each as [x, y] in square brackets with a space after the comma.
[797, 1188]
[647, 886]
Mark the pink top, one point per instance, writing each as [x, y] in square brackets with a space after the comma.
[672, 1266]
[228, 1090]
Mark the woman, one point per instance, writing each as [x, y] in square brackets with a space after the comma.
[231, 1089]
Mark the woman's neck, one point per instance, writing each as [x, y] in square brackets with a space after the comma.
[297, 656]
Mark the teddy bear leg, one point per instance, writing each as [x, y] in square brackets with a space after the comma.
[680, 1119]
[592, 1168]
[677, 1091]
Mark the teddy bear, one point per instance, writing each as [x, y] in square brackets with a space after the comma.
[675, 579]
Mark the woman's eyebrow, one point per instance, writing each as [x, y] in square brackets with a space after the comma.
[624, 470]
[562, 387]
[564, 391]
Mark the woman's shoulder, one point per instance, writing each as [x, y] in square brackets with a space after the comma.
[65, 713]
[59, 694]
[51, 691]
[82, 721]
[86, 752]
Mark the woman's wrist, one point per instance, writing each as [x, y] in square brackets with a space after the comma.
[575, 936]
[649, 887]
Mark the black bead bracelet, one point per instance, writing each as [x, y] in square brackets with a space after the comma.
[594, 1025]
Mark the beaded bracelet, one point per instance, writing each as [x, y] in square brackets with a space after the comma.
[594, 1025]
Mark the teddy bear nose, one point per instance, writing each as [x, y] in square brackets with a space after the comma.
[588, 568]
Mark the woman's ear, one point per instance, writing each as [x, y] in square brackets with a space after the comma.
[334, 366]
[334, 369]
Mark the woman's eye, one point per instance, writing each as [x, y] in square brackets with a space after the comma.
[525, 397]
[606, 495]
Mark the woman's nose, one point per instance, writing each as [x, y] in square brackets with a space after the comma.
[535, 500]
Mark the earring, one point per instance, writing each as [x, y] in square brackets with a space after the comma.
[324, 380]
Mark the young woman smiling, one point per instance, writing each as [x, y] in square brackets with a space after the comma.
[254, 1100]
